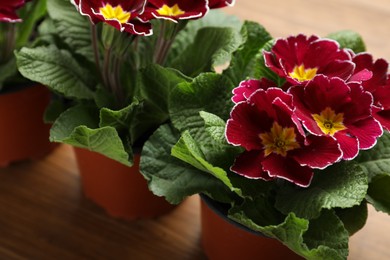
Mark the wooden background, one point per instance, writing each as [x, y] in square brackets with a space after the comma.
[43, 214]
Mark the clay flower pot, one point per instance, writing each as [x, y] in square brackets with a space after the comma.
[23, 133]
[222, 238]
[122, 191]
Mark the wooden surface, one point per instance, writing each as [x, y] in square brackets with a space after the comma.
[43, 214]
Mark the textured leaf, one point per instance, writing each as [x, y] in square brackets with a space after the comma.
[379, 193]
[343, 185]
[242, 64]
[211, 93]
[353, 218]
[188, 151]
[155, 85]
[323, 238]
[217, 46]
[56, 69]
[119, 119]
[327, 232]
[215, 126]
[77, 126]
[376, 161]
[72, 28]
[349, 39]
[172, 178]
[214, 18]
[208, 92]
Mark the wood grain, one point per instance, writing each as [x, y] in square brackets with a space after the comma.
[43, 214]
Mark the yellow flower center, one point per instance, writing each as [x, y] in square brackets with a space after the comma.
[329, 122]
[170, 11]
[109, 12]
[301, 74]
[279, 140]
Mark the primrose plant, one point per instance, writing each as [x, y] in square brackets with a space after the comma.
[291, 138]
[112, 64]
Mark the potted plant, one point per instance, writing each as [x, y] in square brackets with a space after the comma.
[114, 63]
[22, 102]
[290, 141]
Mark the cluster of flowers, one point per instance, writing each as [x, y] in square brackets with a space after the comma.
[133, 16]
[333, 104]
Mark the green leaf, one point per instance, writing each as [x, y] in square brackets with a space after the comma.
[54, 110]
[119, 119]
[259, 209]
[172, 178]
[342, 185]
[349, 39]
[323, 238]
[326, 232]
[376, 161]
[188, 151]
[56, 69]
[7, 70]
[155, 85]
[73, 28]
[242, 64]
[217, 46]
[214, 18]
[104, 97]
[77, 126]
[35, 12]
[215, 126]
[353, 218]
[208, 92]
[379, 193]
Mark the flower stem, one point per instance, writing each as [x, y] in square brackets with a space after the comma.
[10, 41]
[157, 57]
[168, 33]
[106, 69]
[95, 48]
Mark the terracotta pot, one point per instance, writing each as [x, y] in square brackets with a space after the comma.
[222, 238]
[122, 191]
[23, 134]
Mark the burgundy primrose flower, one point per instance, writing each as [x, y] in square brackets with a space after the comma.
[378, 85]
[274, 141]
[332, 107]
[248, 87]
[300, 58]
[219, 4]
[123, 15]
[174, 10]
[8, 10]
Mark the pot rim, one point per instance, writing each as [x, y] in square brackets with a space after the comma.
[221, 209]
[9, 89]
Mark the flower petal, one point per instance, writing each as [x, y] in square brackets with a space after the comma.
[383, 116]
[288, 169]
[245, 125]
[248, 164]
[367, 131]
[174, 10]
[248, 87]
[349, 145]
[320, 152]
